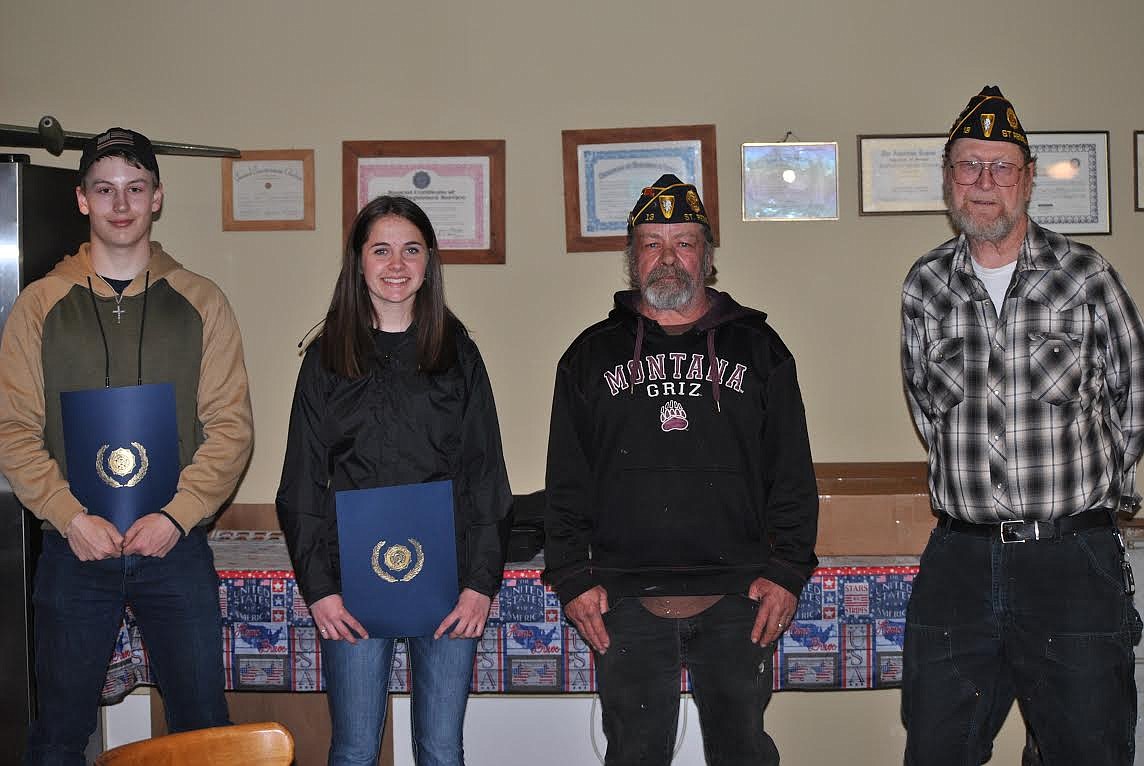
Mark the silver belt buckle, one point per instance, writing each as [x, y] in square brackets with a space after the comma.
[1010, 524]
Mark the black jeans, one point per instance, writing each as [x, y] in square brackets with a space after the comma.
[1050, 620]
[731, 679]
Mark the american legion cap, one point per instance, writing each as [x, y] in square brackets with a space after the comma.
[989, 116]
[668, 200]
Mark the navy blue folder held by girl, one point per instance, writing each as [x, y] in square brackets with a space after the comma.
[122, 449]
[399, 557]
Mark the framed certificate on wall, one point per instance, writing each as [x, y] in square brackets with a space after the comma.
[606, 170]
[900, 174]
[790, 181]
[268, 190]
[1071, 189]
[459, 184]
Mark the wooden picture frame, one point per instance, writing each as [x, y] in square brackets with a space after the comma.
[268, 190]
[595, 217]
[460, 185]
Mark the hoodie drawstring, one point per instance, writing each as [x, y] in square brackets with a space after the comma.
[103, 334]
[636, 352]
[712, 361]
[713, 368]
[142, 321]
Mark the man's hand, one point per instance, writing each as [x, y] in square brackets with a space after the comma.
[151, 535]
[334, 622]
[586, 612]
[467, 620]
[776, 608]
[93, 538]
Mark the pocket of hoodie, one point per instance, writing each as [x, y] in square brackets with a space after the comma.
[1054, 367]
[945, 360]
[679, 515]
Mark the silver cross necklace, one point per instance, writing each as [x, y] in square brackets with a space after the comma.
[119, 311]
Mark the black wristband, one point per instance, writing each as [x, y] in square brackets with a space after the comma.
[171, 519]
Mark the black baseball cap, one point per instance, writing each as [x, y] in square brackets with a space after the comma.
[119, 141]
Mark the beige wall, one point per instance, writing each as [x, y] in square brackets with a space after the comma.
[305, 74]
[280, 74]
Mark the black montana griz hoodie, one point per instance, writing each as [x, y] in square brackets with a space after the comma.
[678, 464]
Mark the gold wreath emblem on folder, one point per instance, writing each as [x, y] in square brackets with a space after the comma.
[122, 462]
[396, 559]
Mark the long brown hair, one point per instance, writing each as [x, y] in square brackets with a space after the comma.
[346, 340]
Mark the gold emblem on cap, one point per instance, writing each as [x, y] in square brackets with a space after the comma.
[667, 205]
[692, 200]
[987, 122]
[396, 559]
[1011, 116]
[122, 462]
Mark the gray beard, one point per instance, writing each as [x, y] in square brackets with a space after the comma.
[996, 231]
[668, 296]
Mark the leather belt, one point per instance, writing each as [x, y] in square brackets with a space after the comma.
[1021, 531]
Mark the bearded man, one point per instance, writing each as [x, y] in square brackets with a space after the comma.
[1023, 359]
[682, 507]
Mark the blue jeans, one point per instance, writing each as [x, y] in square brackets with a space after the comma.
[78, 609]
[1049, 620]
[357, 684]
[731, 679]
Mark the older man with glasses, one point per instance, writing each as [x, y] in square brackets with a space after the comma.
[1023, 359]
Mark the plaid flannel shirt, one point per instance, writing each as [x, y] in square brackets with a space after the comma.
[1038, 413]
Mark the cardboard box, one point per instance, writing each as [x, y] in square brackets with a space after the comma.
[873, 509]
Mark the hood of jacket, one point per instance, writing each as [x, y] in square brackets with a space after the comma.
[76, 269]
[721, 308]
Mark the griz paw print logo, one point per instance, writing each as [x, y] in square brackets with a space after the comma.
[672, 417]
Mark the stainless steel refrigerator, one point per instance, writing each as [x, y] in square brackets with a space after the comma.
[39, 224]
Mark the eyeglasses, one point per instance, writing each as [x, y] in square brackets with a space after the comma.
[1004, 173]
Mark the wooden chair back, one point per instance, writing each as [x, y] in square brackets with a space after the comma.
[258, 744]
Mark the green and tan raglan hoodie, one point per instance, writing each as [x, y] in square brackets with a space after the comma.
[173, 326]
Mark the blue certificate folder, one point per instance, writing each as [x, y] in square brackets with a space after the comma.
[122, 449]
[399, 557]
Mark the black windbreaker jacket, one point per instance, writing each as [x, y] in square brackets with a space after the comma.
[393, 426]
[678, 464]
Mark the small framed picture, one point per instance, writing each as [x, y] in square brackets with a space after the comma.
[459, 184]
[790, 181]
[268, 190]
[900, 174]
[1071, 188]
[1138, 156]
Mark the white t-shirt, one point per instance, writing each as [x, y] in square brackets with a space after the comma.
[996, 281]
